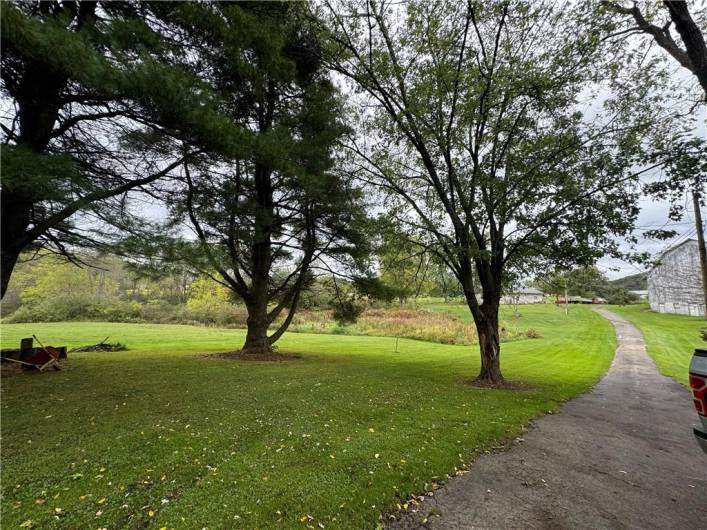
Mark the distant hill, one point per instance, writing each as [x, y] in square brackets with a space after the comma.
[634, 282]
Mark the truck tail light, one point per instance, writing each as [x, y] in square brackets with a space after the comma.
[698, 384]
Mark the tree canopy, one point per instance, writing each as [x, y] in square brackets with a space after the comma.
[80, 79]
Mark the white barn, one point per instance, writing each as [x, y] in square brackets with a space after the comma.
[675, 283]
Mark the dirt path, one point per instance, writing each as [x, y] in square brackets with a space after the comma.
[620, 456]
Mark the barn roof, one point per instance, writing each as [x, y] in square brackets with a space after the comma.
[527, 290]
[675, 247]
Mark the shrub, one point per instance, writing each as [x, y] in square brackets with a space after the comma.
[68, 309]
[343, 330]
[531, 333]
[223, 314]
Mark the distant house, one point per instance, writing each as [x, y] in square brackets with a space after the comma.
[642, 294]
[560, 300]
[529, 295]
[675, 284]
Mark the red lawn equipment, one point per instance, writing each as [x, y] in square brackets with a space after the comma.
[36, 358]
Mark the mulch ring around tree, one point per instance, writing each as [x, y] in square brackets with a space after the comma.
[240, 355]
[503, 385]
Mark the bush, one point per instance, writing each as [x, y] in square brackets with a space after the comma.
[223, 314]
[531, 333]
[343, 330]
[68, 309]
[621, 297]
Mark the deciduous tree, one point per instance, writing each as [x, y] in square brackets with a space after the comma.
[471, 123]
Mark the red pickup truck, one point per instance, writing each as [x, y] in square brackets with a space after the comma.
[698, 384]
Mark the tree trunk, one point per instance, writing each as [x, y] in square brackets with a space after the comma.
[489, 343]
[692, 38]
[257, 303]
[256, 340]
[14, 220]
[8, 259]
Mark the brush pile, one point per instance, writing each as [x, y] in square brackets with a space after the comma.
[101, 346]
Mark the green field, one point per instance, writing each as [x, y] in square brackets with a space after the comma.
[670, 339]
[160, 437]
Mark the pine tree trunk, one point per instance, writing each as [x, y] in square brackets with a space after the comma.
[489, 344]
[14, 220]
[256, 340]
[257, 337]
[8, 260]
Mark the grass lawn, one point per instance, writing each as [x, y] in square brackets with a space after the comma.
[670, 339]
[541, 317]
[158, 437]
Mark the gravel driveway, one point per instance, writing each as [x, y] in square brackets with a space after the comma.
[620, 456]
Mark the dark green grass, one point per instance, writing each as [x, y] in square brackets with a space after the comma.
[670, 339]
[157, 436]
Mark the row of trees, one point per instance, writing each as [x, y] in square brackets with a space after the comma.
[587, 282]
[268, 134]
[51, 289]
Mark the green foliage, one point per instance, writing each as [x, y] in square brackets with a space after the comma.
[404, 265]
[24, 171]
[210, 302]
[53, 290]
[205, 294]
[50, 289]
[685, 174]
[347, 312]
[619, 296]
[85, 81]
[588, 282]
[374, 289]
[348, 439]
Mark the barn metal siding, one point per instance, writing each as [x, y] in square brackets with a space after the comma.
[675, 284]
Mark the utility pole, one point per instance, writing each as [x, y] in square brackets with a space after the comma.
[701, 244]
